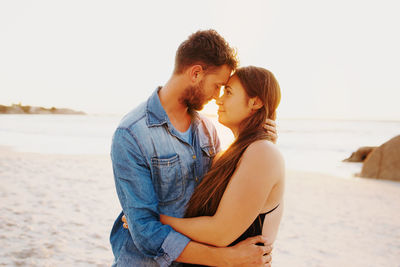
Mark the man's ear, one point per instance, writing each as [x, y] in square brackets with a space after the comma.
[255, 103]
[195, 73]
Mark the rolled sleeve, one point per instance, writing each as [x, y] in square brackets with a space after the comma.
[140, 203]
[173, 246]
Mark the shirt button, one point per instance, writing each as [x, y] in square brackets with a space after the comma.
[194, 157]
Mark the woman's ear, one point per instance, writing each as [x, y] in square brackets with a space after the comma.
[255, 103]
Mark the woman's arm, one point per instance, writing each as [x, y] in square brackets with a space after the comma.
[260, 168]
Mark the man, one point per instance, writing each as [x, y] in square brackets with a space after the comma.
[160, 152]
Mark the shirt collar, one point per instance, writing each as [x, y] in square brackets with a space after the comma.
[156, 115]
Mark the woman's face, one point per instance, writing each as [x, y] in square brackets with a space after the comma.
[234, 104]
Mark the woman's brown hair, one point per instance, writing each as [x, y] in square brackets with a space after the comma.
[257, 82]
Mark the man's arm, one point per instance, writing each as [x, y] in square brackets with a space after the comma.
[140, 203]
[245, 253]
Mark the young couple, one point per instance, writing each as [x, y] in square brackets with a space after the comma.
[183, 201]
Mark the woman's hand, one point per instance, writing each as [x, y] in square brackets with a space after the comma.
[270, 129]
[125, 225]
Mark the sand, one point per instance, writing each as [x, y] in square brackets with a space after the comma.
[331, 221]
[57, 210]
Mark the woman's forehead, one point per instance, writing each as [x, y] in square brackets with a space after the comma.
[233, 80]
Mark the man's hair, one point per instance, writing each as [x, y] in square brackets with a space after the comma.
[206, 48]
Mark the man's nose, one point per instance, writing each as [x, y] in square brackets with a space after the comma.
[216, 94]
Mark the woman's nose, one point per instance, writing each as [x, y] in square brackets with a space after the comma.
[218, 100]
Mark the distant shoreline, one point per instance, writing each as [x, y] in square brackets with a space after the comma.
[27, 110]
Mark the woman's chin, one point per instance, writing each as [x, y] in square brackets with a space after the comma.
[221, 121]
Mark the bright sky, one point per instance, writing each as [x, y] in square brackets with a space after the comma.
[333, 59]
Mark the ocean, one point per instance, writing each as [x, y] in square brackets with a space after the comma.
[307, 144]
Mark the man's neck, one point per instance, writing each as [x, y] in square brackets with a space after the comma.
[177, 112]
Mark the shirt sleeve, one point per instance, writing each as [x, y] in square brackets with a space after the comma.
[140, 203]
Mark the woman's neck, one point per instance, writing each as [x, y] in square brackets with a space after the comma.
[235, 131]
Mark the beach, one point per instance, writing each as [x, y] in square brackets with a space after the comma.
[73, 73]
[58, 210]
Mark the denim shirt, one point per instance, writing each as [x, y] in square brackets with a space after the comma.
[155, 173]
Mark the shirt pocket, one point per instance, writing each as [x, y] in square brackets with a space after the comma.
[208, 156]
[168, 180]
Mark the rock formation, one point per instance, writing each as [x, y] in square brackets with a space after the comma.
[384, 161]
[20, 109]
[361, 154]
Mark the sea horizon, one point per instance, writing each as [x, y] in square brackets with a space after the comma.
[316, 145]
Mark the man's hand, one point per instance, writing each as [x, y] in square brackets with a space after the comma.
[270, 128]
[247, 253]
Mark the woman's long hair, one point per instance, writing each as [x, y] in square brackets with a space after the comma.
[257, 82]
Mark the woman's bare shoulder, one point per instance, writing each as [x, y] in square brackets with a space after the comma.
[264, 149]
[264, 155]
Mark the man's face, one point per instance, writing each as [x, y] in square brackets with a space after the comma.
[195, 97]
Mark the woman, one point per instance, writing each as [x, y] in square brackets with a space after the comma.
[242, 194]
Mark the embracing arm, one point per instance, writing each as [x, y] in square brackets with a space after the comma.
[260, 168]
[155, 240]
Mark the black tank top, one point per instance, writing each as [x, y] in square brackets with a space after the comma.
[254, 229]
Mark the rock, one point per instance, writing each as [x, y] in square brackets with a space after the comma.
[361, 154]
[15, 109]
[3, 109]
[384, 161]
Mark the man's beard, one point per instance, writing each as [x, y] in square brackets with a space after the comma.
[193, 97]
